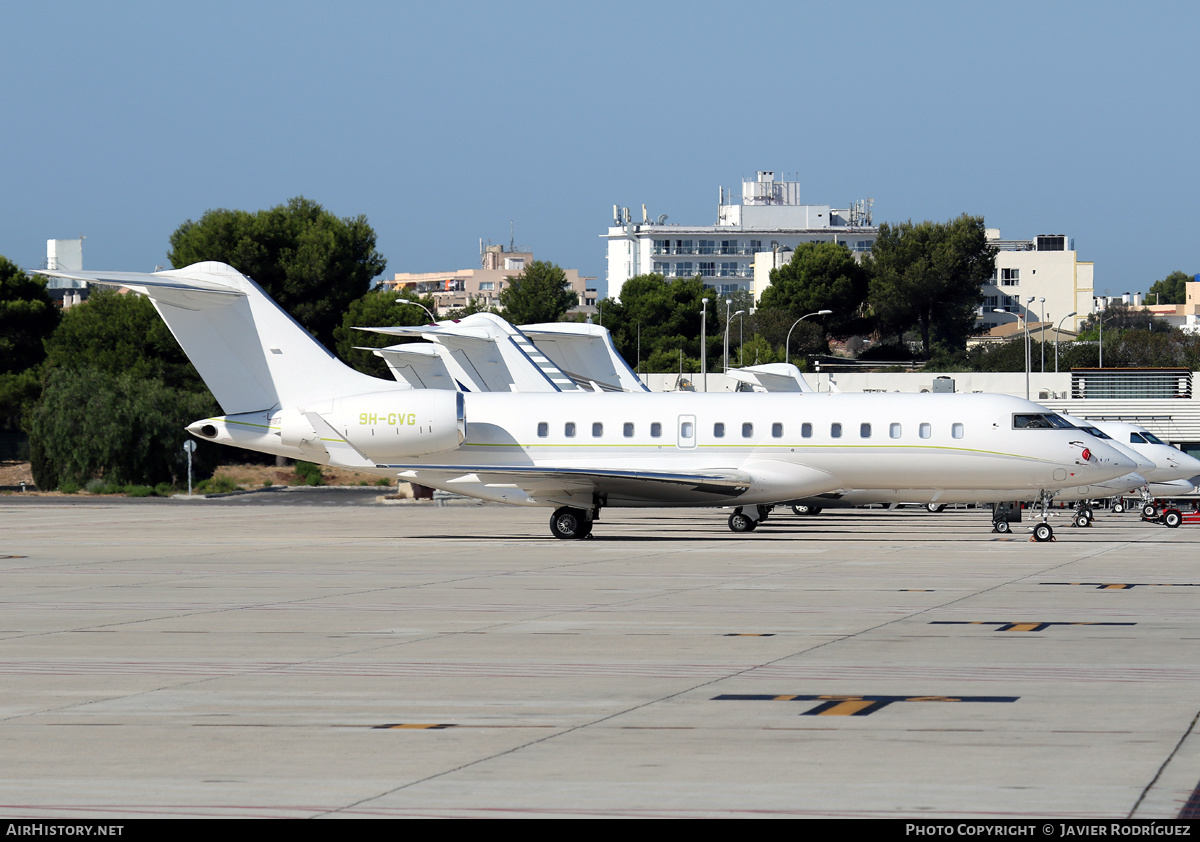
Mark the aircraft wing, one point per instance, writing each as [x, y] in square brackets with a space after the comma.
[568, 485]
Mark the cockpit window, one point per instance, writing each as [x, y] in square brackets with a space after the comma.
[1040, 421]
[1136, 438]
[1096, 431]
[1153, 439]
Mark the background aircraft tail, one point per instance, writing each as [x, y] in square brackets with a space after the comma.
[250, 352]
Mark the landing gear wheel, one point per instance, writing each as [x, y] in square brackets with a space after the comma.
[1171, 519]
[739, 522]
[1042, 532]
[764, 512]
[1002, 527]
[803, 509]
[935, 507]
[1148, 510]
[1118, 507]
[1082, 519]
[567, 523]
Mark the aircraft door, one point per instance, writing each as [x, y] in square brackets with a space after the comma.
[687, 431]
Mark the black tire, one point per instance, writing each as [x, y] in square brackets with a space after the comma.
[935, 507]
[1148, 510]
[802, 509]
[1118, 507]
[1172, 518]
[1042, 532]
[1002, 527]
[739, 522]
[568, 524]
[1082, 519]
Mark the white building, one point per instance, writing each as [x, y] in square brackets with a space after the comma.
[65, 256]
[768, 222]
[1041, 268]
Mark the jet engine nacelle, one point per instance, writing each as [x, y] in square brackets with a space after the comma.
[385, 426]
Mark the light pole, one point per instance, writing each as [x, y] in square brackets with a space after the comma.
[729, 321]
[1028, 301]
[788, 343]
[1056, 334]
[703, 338]
[432, 318]
[1042, 328]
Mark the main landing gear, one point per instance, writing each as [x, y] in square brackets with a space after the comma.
[568, 523]
[747, 519]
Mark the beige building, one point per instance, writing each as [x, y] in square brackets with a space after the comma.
[1041, 279]
[482, 286]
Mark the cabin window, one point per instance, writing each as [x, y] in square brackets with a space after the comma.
[835, 430]
[957, 431]
[864, 431]
[656, 430]
[543, 429]
[776, 430]
[569, 429]
[895, 430]
[719, 430]
[747, 430]
[925, 430]
[628, 429]
[597, 429]
[806, 430]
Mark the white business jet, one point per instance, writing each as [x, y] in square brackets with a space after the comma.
[1174, 472]
[284, 393]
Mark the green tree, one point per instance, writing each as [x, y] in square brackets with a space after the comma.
[120, 427]
[312, 263]
[929, 276]
[539, 294]
[378, 308]
[662, 316]
[820, 276]
[1170, 290]
[121, 333]
[27, 317]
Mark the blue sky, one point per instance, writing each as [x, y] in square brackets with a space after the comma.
[443, 122]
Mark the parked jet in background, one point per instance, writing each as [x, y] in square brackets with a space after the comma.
[285, 394]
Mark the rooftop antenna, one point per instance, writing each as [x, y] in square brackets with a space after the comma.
[511, 238]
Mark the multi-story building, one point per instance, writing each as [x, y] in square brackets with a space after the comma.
[1046, 267]
[482, 286]
[749, 239]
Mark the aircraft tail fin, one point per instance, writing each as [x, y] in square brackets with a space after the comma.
[250, 352]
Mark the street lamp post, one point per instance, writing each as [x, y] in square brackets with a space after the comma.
[703, 339]
[788, 343]
[729, 321]
[432, 318]
[1057, 330]
[1028, 301]
[1042, 328]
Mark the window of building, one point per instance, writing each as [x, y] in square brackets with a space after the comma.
[569, 429]
[755, 245]
[662, 247]
[708, 270]
[487, 285]
[729, 270]
[747, 430]
[683, 270]
[684, 247]
[1010, 277]
[708, 246]
[729, 246]
[663, 269]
